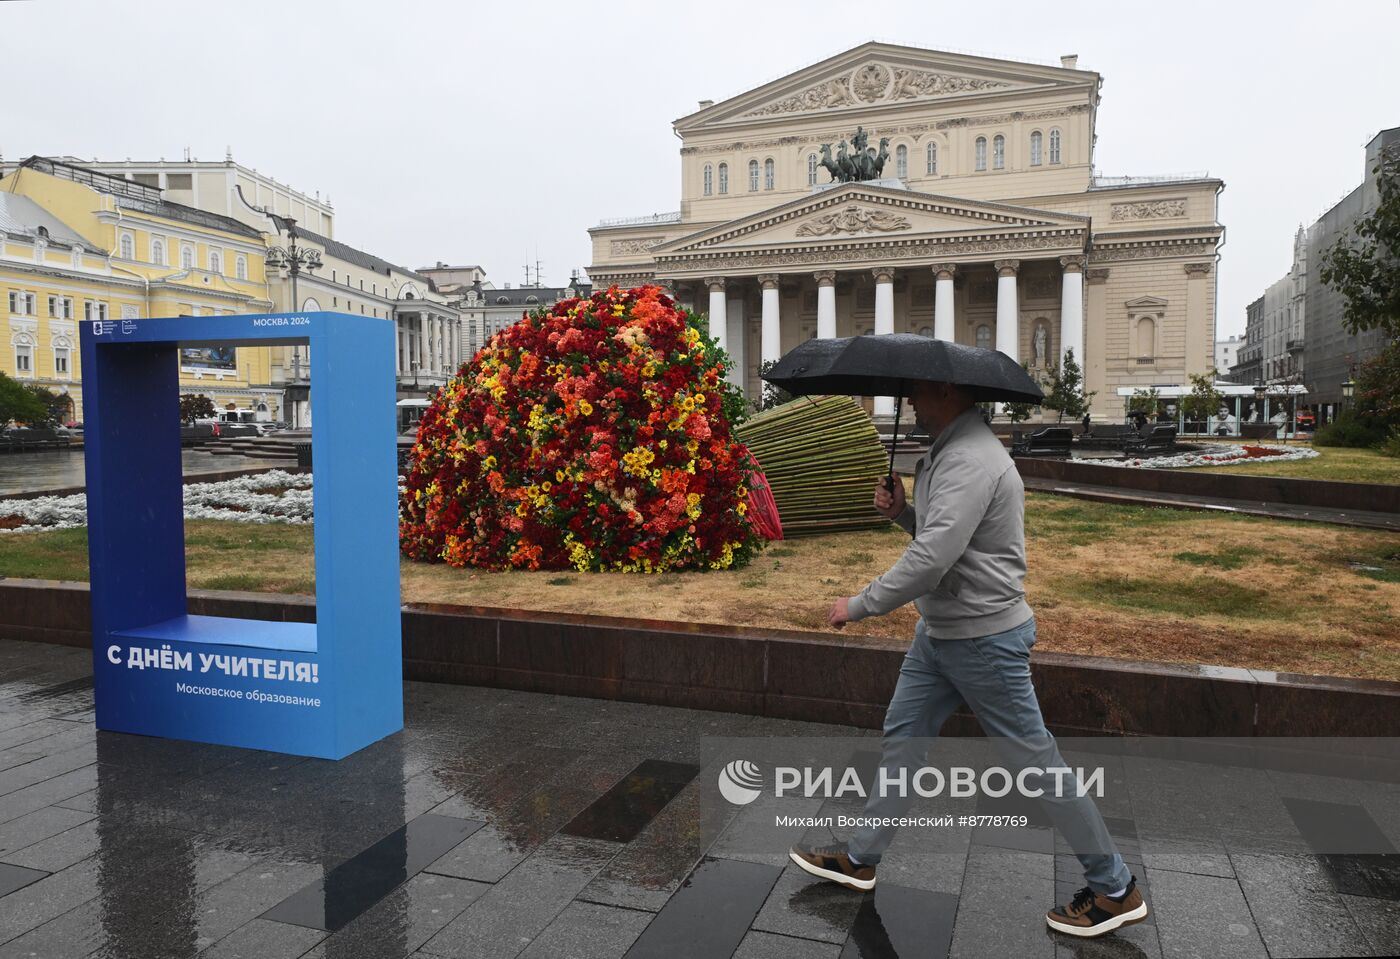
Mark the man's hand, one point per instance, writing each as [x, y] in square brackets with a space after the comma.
[890, 504]
[840, 613]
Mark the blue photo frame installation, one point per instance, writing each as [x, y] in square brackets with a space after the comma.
[322, 689]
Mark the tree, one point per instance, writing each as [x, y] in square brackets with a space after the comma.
[1066, 394]
[1364, 264]
[1203, 400]
[1019, 412]
[20, 402]
[1145, 401]
[771, 395]
[195, 406]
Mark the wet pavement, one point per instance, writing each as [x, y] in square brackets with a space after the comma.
[63, 469]
[504, 824]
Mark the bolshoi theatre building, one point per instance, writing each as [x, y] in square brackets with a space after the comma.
[986, 224]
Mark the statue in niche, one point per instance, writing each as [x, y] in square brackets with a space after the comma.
[1040, 345]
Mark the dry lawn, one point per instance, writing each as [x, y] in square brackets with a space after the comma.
[1105, 579]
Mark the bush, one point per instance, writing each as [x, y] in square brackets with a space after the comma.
[1391, 446]
[1349, 430]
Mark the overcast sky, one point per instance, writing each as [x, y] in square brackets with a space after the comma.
[496, 133]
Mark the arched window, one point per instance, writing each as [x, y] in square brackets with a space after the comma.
[1036, 144]
[128, 247]
[931, 161]
[901, 161]
[998, 152]
[157, 252]
[1054, 146]
[724, 178]
[709, 179]
[753, 175]
[811, 169]
[24, 353]
[984, 336]
[216, 262]
[240, 267]
[1146, 337]
[768, 174]
[187, 258]
[980, 153]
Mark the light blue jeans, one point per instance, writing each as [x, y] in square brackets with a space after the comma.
[992, 674]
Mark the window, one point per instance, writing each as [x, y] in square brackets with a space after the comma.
[753, 175]
[22, 303]
[332, 276]
[128, 247]
[186, 257]
[24, 356]
[931, 161]
[1054, 146]
[984, 336]
[901, 161]
[60, 360]
[768, 174]
[94, 310]
[980, 153]
[709, 179]
[724, 178]
[811, 169]
[216, 262]
[998, 152]
[240, 267]
[61, 307]
[157, 251]
[1036, 143]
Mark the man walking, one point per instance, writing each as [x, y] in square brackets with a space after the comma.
[965, 571]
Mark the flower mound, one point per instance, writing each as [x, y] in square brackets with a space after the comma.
[590, 436]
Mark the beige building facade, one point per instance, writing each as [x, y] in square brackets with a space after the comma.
[987, 225]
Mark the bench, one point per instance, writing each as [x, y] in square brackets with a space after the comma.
[1046, 441]
[1159, 441]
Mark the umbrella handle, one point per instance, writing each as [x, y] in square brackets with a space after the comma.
[894, 439]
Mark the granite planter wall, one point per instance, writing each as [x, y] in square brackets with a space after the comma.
[797, 675]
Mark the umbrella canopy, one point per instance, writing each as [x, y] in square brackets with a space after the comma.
[885, 364]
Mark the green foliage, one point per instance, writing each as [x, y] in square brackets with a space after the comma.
[1204, 399]
[195, 406]
[771, 396]
[736, 408]
[1066, 394]
[1374, 416]
[1391, 446]
[1145, 401]
[24, 403]
[1364, 264]
[1348, 430]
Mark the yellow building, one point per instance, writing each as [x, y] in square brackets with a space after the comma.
[79, 245]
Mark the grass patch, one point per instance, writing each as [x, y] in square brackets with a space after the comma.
[859, 558]
[1335, 463]
[559, 581]
[1188, 596]
[1232, 557]
[60, 554]
[781, 551]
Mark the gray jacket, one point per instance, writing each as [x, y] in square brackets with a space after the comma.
[965, 571]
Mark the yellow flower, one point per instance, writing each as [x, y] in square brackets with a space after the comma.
[742, 508]
[585, 407]
[546, 485]
[559, 476]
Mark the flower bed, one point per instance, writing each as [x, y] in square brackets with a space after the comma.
[592, 436]
[1216, 455]
[272, 497]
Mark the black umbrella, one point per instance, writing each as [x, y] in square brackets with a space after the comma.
[885, 364]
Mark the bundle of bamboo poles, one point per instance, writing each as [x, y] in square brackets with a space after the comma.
[822, 457]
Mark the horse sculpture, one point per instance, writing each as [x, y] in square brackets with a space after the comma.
[830, 165]
[856, 161]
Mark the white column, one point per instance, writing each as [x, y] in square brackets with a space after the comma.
[421, 328]
[719, 322]
[398, 347]
[1072, 309]
[884, 323]
[736, 323]
[826, 304]
[1008, 311]
[771, 338]
[943, 328]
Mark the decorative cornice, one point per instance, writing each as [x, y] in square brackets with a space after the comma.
[636, 245]
[1153, 249]
[1197, 269]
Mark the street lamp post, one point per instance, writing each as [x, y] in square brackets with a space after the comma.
[291, 260]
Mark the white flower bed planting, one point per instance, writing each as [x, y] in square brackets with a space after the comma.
[241, 500]
[1215, 455]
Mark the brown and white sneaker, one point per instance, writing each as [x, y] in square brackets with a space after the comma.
[1091, 914]
[833, 863]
